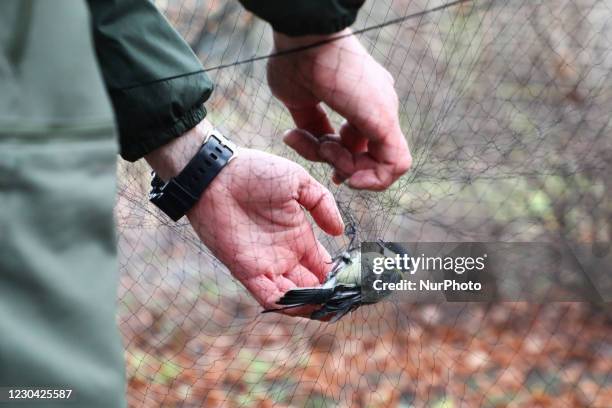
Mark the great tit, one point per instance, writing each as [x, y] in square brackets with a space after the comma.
[343, 290]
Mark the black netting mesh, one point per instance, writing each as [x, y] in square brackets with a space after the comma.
[506, 106]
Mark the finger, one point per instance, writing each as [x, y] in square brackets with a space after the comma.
[267, 292]
[354, 142]
[339, 158]
[307, 146]
[393, 160]
[380, 166]
[298, 277]
[264, 290]
[284, 284]
[302, 277]
[372, 175]
[312, 119]
[370, 180]
[321, 204]
[390, 165]
[352, 138]
[337, 177]
[304, 143]
[361, 169]
[317, 260]
[393, 150]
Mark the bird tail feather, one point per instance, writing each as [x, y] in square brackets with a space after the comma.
[306, 296]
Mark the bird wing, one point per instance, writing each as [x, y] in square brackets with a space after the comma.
[344, 299]
[336, 301]
[306, 296]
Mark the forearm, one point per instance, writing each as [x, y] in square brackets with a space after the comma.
[154, 80]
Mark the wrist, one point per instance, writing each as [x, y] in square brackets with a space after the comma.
[185, 168]
[169, 160]
[284, 42]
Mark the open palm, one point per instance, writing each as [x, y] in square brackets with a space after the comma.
[252, 218]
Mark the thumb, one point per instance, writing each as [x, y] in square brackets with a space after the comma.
[321, 204]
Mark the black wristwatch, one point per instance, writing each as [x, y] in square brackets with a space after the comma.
[181, 192]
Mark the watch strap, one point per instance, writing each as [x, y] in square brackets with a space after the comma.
[180, 193]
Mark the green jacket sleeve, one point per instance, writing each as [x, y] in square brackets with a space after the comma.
[155, 81]
[303, 17]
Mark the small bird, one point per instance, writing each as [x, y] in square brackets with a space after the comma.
[343, 290]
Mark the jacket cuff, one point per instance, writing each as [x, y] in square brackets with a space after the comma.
[313, 27]
[306, 17]
[151, 114]
[146, 142]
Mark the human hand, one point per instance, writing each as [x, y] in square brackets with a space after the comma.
[370, 150]
[252, 219]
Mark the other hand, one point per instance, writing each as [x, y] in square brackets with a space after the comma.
[369, 150]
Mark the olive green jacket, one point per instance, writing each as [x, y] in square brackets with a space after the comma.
[156, 83]
[50, 78]
[72, 74]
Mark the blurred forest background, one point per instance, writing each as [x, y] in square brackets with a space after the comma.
[506, 106]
